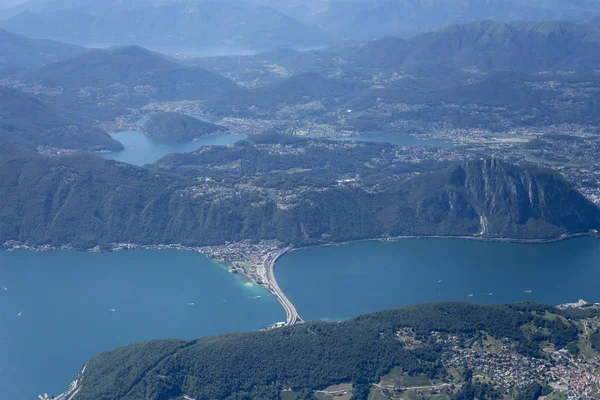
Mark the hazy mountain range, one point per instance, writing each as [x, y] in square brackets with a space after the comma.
[18, 51]
[173, 25]
[263, 24]
[485, 63]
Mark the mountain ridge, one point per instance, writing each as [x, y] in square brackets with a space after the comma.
[23, 52]
[170, 24]
[88, 198]
[39, 124]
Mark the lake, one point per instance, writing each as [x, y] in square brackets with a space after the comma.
[141, 149]
[338, 282]
[399, 139]
[62, 308]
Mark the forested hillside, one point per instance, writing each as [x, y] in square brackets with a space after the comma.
[86, 201]
[315, 355]
[40, 124]
[18, 51]
[178, 127]
[101, 85]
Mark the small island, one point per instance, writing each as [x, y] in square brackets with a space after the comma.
[177, 127]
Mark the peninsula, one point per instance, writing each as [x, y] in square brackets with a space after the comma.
[520, 351]
[175, 127]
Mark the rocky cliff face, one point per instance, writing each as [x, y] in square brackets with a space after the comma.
[88, 201]
[509, 199]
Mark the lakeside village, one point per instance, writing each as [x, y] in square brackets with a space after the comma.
[244, 257]
[576, 377]
[572, 376]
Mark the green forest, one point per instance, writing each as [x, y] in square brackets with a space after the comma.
[313, 355]
[85, 201]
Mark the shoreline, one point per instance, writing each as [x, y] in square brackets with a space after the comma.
[267, 274]
[392, 239]
[11, 245]
[264, 274]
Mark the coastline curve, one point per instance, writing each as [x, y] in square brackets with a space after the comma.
[292, 316]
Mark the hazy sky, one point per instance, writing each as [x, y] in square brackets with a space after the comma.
[8, 3]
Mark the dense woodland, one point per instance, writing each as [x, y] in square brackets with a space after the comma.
[177, 127]
[307, 357]
[86, 201]
[38, 123]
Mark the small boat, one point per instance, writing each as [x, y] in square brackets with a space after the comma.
[5, 288]
[112, 310]
[19, 314]
[528, 291]
[191, 304]
[489, 294]
[440, 281]
[471, 295]
[258, 297]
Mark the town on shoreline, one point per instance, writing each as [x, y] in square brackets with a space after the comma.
[256, 261]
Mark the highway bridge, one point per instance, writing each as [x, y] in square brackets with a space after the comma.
[291, 314]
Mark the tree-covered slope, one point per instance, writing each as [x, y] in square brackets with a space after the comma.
[178, 127]
[315, 355]
[132, 66]
[87, 201]
[20, 51]
[41, 124]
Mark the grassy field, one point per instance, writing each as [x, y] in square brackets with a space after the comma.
[342, 387]
[377, 394]
[288, 395]
[396, 378]
[414, 381]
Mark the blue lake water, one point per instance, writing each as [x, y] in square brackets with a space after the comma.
[65, 301]
[338, 282]
[141, 149]
[58, 310]
[397, 139]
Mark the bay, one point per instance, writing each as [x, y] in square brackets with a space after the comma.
[141, 149]
[338, 282]
[398, 139]
[62, 308]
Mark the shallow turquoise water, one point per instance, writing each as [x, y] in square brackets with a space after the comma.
[141, 149]
[66, 301]
[344, 281]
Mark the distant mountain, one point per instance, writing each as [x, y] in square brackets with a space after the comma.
[103, 84]
[488, 46]
[90, 201]
[178, 127]
[309, 87]
[36, 123]
[457, 55]
[377, 18]
[126, 65]
[20, 51]
[167, 25]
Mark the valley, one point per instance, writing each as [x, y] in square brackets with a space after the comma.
[297, 190]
